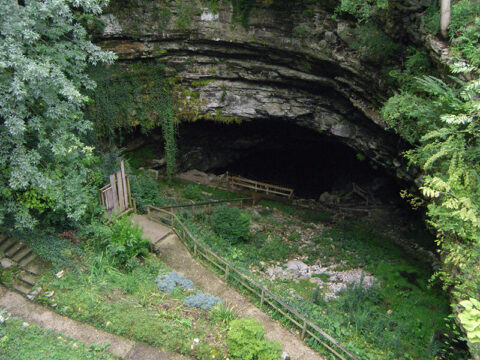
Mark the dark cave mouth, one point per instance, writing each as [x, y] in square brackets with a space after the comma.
[284, 154]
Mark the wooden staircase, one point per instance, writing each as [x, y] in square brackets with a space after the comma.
[15, 255]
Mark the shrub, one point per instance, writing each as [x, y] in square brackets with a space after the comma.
[168, 282]
[275, 249]
[193, 192]
[110, 160]
[145, 191]
[221, 314]
[51, 247]
[202, 300]
[125, 243]
[374, 43]
[246, 341]
[231, 224]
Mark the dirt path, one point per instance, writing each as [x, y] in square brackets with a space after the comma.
[175, 255]
[18, 306]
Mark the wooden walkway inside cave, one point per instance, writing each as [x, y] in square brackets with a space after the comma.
[173, 253]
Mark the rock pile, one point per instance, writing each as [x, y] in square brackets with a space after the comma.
[332, 282]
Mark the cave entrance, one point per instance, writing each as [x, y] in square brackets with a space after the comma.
[280, 153]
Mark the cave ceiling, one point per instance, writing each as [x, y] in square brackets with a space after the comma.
[287, 65]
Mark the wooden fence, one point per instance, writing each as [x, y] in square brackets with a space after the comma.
[306, 327]
[258, 186]
[116, 196]
[208, 205]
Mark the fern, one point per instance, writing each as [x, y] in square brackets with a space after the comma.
[441, 119]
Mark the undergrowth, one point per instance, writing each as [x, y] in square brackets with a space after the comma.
[231, 224]
[402, 318]
[130, 305]
[24, 341]
[246, 341]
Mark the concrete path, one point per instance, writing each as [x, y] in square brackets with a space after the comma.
[172, 251]
[18, 306]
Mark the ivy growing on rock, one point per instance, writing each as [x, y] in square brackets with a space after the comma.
[134, 96]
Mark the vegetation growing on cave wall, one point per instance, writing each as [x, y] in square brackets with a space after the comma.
[439, 117]
[135, 96]
[122, 98]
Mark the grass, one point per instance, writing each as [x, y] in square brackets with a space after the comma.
[399, 319]
[180, 187]
[129, 305]
[305, 215]
[141, 156]
[417, 311]
[18, 342]
[148, 191]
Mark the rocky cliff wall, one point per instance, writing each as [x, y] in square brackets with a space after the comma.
[290, 63]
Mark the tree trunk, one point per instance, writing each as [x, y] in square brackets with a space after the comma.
[444, 17]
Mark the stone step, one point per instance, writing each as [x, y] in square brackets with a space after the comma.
[36, 267]
[162, 237]
[14, 249]
[22, 287]
[28, 278]
[158, 245]
[7, 245]
[7, 263]
[22, 254]
[27, 260]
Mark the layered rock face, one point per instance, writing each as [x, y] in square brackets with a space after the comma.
[291, 64]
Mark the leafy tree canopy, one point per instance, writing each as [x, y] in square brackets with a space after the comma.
[44, 165]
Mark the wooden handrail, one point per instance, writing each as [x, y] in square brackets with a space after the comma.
[203, 203]
[240, 179]
[229, 270]
[260, 186]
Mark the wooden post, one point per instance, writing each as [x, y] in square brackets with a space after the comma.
[114, 192]
[262, 299]
[124, 183]
[109, 197]
[304, 328]
[128, 193]
[195, 248]
[121, 191]
[227, 272]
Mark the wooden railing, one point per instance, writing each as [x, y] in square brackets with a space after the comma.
[207, 204]
[266, 297]
[258, 186]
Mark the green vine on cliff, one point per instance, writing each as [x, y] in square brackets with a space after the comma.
[169, 130]
[133, 96]
[241, 11]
